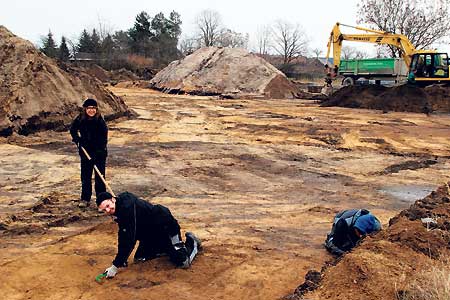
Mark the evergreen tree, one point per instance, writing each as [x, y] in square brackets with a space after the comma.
[49, 46]
[122, 41]
[84, 43]
[159, 25]
[174, 27]
[95, 42]
[107, 45]
[140, 34]
[64, 53]
[165, 37]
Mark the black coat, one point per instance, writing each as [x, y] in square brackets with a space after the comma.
[140, 220]
[93, 135]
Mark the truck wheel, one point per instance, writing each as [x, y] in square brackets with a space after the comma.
[348, 81]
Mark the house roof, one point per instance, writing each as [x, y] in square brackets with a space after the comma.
[84, 56]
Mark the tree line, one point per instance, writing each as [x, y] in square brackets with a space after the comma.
[156, 40]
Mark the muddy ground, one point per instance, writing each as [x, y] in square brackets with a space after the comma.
[258, 181]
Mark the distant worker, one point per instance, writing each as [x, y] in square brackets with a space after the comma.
[152, 225]
[420, 68]
[349, 227]
[89, 131]
[328, 79]
[335, 71]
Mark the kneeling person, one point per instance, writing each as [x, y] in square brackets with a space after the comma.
[349, 227]
[153, 226]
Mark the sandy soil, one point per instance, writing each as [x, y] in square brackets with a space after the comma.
[258, 181]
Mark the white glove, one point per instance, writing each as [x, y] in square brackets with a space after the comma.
[111, 271]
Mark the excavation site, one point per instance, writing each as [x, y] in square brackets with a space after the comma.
[242, 156]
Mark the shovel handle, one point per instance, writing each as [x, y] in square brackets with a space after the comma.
[98, 172]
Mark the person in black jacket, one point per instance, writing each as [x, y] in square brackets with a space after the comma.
[89, 130]
[157, 231]
[349, 227]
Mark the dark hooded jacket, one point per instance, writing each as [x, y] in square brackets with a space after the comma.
[93, 135]
[140, 220]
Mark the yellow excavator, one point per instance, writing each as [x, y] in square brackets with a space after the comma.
[424, 66]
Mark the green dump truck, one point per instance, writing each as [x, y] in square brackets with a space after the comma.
[375, 69]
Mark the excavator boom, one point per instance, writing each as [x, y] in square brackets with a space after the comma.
[399, 41]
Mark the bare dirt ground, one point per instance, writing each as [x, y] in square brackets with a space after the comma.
[258, 181]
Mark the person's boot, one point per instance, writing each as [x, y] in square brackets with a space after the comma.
[194, 245]
[198, 242]
[83, 204]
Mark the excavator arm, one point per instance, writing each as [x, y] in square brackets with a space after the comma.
[373, 36]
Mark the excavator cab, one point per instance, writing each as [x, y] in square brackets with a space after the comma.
[428, 67]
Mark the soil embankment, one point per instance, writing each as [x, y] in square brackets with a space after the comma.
[37, 94]
[384, 265]
[435, 98]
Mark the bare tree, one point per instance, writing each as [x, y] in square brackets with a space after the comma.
[187, 45]
[348, 52]
[209, 24]
[352, 53]
[289, 40]
[104, 28]
[317, 52]
[264, 36]
[232, 39]
[383, 52]
[424, 22]
[361, 54]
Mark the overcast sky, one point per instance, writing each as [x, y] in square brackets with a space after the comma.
[32, 19]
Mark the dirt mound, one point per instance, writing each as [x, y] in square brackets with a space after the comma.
[112, 77]
[123, 75]
[385, 264]
[433, 98]
[133, 84]
[310, 96]
[231, 73]
[37, 94]
[98, 72]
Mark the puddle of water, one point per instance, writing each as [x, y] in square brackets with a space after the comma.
[408, 193]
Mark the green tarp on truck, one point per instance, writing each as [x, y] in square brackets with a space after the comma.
[393, 69]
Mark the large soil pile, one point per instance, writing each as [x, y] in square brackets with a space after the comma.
[113, 76]
[36, 93]
[384, 265]
[435, 98]
[232, 73]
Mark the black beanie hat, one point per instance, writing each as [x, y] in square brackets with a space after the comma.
[90, 102]
[102, 197]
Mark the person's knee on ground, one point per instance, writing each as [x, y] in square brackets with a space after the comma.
[146, 251]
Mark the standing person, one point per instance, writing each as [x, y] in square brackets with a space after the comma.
[89, 131]
[153, 225]
[349, 227]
